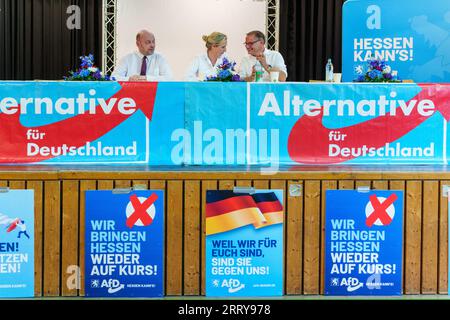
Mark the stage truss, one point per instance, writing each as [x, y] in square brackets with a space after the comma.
[110, 32]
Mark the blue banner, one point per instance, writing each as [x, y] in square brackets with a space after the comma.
[223, 124]
[244, 243]
[347, 123]
[17, 244]
[216, 124]
[363, 242]
[89, 122]
[413, 37]
[124, 251]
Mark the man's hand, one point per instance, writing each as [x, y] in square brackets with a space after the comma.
[251, 78]
[138, 78]
[262, 59]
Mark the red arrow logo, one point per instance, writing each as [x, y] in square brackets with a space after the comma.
[75, 131]
[309, 141]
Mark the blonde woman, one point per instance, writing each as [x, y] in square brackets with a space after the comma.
[205, 64]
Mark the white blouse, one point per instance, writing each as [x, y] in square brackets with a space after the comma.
[201, 67]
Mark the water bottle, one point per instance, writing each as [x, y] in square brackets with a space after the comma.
[259, 72]
[329, 77]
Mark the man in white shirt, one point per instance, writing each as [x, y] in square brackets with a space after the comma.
[144, 64]
[260, 57]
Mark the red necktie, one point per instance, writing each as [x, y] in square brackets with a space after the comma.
[144, 66]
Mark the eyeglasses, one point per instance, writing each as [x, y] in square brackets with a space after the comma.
[251, 43]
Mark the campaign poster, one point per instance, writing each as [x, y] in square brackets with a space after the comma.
[124, 251]
[244, 243]
[17, 244]
[363, 242]
[412, 36]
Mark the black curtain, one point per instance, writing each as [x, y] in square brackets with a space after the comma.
[310, 33]
[35, 42]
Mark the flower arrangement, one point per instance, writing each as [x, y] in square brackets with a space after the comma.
[87, 71]
[376, 71]
[225, 72]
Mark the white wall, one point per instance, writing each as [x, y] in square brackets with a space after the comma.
[178, 26]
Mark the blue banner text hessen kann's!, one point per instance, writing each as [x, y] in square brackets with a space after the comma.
[363, 242]
[411, 35]
[124, 244]
[244, 243]
[17, 244]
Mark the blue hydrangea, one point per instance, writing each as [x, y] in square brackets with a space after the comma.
[375, 74]
[87, 71]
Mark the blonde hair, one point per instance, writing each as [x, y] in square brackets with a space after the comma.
[214, 38]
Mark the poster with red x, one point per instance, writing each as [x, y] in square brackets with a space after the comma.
[124, 250]
[363, 242]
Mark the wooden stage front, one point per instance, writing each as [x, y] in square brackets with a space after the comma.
[60, 202]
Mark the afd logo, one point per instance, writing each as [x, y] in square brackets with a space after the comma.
[113, 285]
[233, 285]
[352, 284]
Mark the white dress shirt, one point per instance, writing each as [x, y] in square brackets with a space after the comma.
[157, 67]
[201, 67]
[273, 58]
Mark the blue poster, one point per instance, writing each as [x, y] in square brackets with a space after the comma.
[244, 243]
[124, 244]
[413, 36]
[17, 244]
[363, 242]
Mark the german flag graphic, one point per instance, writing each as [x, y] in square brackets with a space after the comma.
[270, 207]
[226, 210]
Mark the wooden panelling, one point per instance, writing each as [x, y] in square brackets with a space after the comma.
[17, 185]
[243, 183]
[261, 184]
[226, 184]
[311, 242]
[192, 239]
[105, 185]
[430, 237]
[413, 237]
[52, 238]
[294, 241]
[69, 236]
[60, 224]
[174, 224]
[119, 184]
[144, 184]
[380, 185]
[346, 184]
